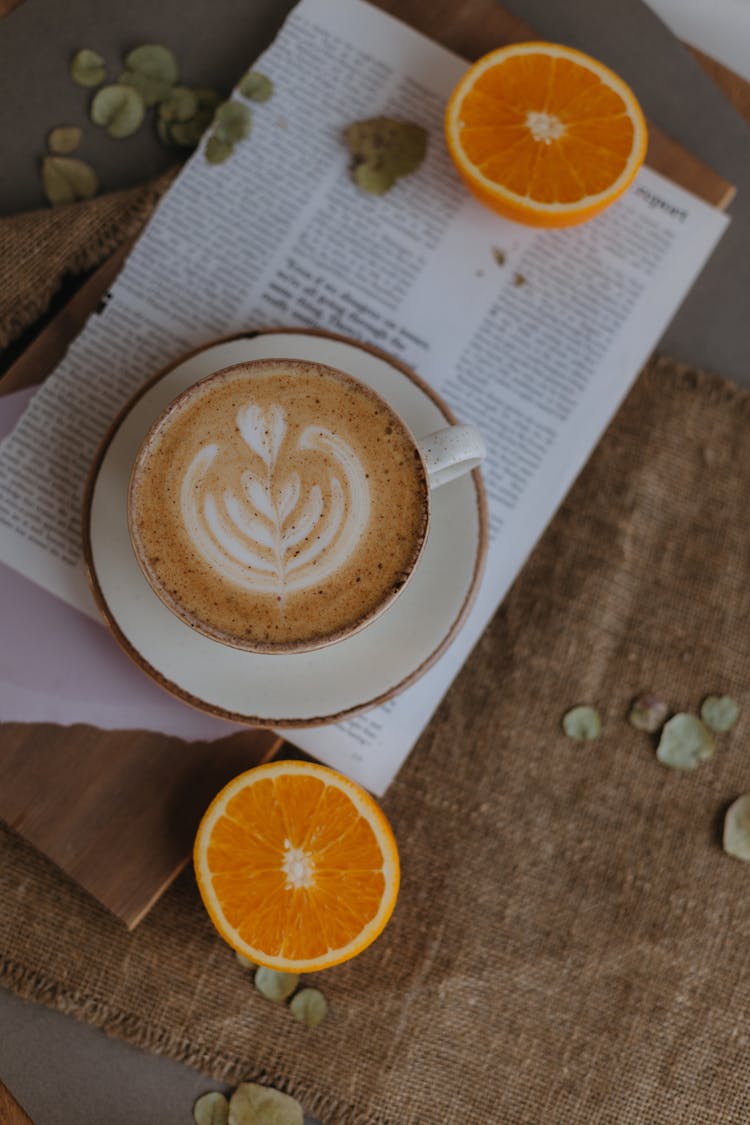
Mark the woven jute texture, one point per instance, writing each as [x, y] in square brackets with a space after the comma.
[570, 944]
[38, 249]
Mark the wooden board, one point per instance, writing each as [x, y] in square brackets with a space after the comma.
[734, 88]
[10, 1111]
[116, 811]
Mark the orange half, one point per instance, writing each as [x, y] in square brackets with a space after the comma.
[297, 866]
[544, 134]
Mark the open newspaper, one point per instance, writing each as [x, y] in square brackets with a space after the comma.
[536, 336]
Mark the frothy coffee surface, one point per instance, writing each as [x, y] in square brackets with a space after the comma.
[278, 504]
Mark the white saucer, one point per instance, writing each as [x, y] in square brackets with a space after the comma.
[304, 689]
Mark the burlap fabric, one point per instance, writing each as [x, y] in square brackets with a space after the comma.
[570, 944]
[38, 249]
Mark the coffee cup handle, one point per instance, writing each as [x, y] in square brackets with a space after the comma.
[451, 452]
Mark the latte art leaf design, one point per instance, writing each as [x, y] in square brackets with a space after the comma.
[270, 535]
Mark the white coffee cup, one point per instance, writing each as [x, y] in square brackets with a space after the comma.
[224, 486]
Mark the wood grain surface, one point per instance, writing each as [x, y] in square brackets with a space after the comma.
[10, 1111]
[734, 88]
[117, 810]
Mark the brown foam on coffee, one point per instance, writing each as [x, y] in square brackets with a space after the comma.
[278, 504]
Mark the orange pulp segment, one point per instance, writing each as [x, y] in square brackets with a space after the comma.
[297, 866]
[544, 134]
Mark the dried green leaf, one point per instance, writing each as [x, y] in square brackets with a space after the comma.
[184, 117]
[245, 961]
[582, 723]
[87, 68]
[151, 90]
[498, 255]
[232, 122]
[187, 134]
[518, 280]
[181, 105]
[67, 179]
[64, 139]
[154, 61]
[719, 712]
[211, 1109]
[164, 133]
[217, 151]
[375, 181]
[398, 144]
[251, 1104]
[309, 1006]
[685, 742]
[274, 985]
[255, 86]
[383, 150]
[737, 828]
[119, 109]
[206, 97]
[648, 712]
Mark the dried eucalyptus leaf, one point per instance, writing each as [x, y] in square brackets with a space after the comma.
[154, 61]
[187, 134]
[64, 139]
[309, 1006]
[245, 961]
[273, 985]
[217, 151]
[211, 1109]
[164, 133]
[375, 181]
[251, 1104]
[180, 106]
[582, 723]
[87, 68]
[399, 145]
[737, 828]
[648, 712]
[152, 90]
[206, 97]
[719, 712]
[119, 109]
[685, 742]
[383, 150]
[67, 179]
[232, 122]
[255, 86]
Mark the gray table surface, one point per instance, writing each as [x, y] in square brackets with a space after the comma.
[64, 1072]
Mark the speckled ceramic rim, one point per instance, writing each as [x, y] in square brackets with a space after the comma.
[265, 721]
[285, 648]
